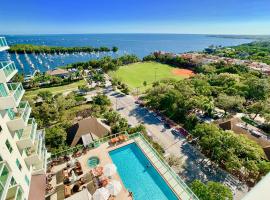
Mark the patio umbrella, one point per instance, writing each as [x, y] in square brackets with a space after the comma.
[101, 194]
[73, 176]
[114, 187]
[109, 170]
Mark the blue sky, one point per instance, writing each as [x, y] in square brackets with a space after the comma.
[135, 16]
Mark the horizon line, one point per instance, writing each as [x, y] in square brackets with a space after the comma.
[210, 34]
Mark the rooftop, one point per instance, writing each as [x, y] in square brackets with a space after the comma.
[101, 148]
[57, 71]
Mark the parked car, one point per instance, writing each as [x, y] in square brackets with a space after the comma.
[167, 125]
[175, 132]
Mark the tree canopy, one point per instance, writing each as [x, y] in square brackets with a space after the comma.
[211, 191]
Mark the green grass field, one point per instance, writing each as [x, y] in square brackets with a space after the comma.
[58, 89]
[135, 74]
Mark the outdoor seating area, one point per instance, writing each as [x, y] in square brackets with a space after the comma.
[118, 140]
[70, 173]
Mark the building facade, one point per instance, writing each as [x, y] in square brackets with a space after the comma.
[22, 146]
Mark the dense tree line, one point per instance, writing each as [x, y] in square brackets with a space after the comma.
[211, 191]
[240, 90]
[29, 48]
[257, 51]
[235, 153]
[229, 87]
[106, 63]
[170, 59]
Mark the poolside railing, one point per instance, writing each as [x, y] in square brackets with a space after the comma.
[102, 140]
[168, 168]
[92, 145]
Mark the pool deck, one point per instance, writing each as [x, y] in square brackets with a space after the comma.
[176, 184]
[102, 152]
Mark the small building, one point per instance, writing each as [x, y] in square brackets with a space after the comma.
[238, 126]
[86, 131]
[62, 73]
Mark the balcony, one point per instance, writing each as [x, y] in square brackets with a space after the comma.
[19, 119]
[27, 138]
[7, 71]
[15, 193]
[5, 178]
[35, 154]
[3, 44]
[13, 97]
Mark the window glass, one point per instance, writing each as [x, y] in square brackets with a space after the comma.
[8, 145]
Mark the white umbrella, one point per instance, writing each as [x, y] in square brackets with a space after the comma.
[109, 170]
[73, 176]
[101, 194]
[114, 187]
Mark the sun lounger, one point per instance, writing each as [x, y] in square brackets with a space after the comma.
[67, 191]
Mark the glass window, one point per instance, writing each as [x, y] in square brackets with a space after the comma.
[19, 133]
[12, 182]
[19, 194]
[1, 190]
[3, 178]
[4, 175]
[26, 180]
[3, 92]
[18, 164]
[8, 145]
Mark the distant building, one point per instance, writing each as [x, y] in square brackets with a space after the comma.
[234, 124]
[62, 73]
[86, 131]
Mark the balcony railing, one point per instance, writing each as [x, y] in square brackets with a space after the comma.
[17, 90]
[3, 42]
[7, 67]
[15, 192]
[19, 119]
[19, 133]
[27, 138]
[24, 109]
[33, 123]
[35, 154]
[5, 177]
[139, 138]
[11, 96]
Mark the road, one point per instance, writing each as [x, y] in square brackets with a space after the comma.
[194, 165]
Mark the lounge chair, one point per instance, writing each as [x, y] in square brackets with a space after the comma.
[67, 191]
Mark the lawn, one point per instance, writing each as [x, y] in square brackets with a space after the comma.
[135, 74]
[58, 89]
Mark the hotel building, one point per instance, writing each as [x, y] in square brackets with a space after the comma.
[22, 147]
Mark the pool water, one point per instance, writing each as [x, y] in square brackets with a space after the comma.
[93, 161]
[139, 176]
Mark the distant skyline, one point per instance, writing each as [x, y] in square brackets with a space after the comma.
[242, 17]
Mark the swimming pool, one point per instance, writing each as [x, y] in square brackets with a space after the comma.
[139, 176]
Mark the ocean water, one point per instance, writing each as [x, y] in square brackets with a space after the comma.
[138, 44]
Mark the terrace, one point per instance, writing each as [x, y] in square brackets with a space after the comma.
[3, 44]
[7, 71]
[19, 119]
[61, 181]
[12, 98]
